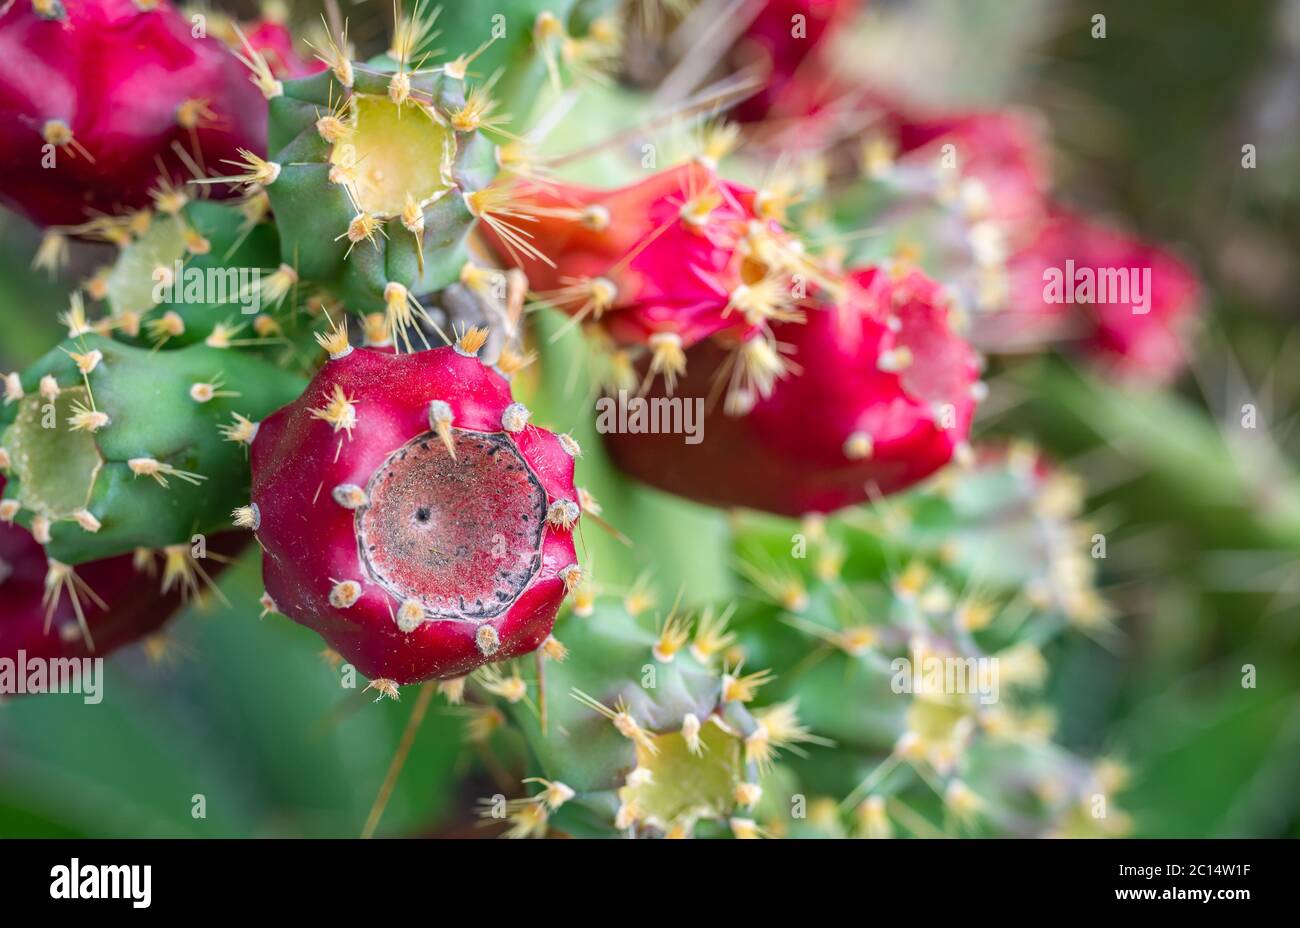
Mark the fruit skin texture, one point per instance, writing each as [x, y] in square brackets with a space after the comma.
[118, 78]
[311, 540]
[137, 605]
[1143, 346]
[791, 453]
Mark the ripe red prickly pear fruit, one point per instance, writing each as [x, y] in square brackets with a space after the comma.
[880, 394]
[272, 38]
[412, 561]
[121, 599]
[93, 94]
[780, 41]
[658, 257]
[1137, 328]
[1005, 152]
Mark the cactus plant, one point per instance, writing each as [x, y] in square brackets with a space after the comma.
[488, 213]
[411, 514]
[101, 97]
[215, 267]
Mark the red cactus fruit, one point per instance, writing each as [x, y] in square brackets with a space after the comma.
[412, 515]
[1122, 302]
[48, 610]
[1000, 159]
[881, 395]
[780, 40]
[95, 97]
[1004, 151]
[271, 37]
[664, 263]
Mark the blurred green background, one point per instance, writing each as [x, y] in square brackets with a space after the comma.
[1203, 521]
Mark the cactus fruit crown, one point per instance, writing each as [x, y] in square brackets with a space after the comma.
[162, 102]
[412, 514]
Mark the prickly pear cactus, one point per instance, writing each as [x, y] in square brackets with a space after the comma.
[345, 301]
[412, 514]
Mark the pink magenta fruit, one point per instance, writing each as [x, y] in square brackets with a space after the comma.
[658, 256]
[880, 394]
[50, 610]
[412, 515]
[271, 37]
[664, 263]
[1124, 303]
[780, 41]
[97, 95]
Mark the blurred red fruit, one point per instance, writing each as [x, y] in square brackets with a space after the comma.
[273, 39]
[1122, 302]
[782, 38]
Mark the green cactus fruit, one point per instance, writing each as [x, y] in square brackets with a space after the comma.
[202, 271]
[922, 660]
[640, 731]
[110, 447]
[377, 174]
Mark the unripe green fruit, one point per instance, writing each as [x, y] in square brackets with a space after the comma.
[643, 731]
[110, 447]
[373, 182]
[194, 273]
